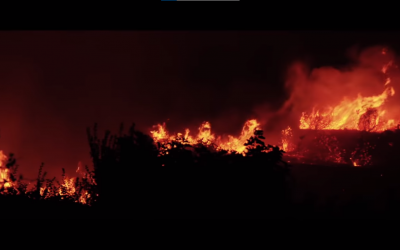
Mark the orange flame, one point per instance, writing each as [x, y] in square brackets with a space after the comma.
[286, 139]
[206, 137]
[66, 189]
[362, 113]
[4, 172]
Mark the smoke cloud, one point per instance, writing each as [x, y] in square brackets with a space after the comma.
[324, 87]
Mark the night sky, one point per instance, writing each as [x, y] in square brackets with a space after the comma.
[55, 84]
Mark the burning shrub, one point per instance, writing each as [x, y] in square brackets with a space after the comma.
[42, 199]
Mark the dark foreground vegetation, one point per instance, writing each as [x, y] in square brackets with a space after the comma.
[137, 178]
[186, 181]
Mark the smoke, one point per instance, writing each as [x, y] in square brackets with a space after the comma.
[318, 88]
[55, 84]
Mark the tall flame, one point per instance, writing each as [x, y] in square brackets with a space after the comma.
[362, 113]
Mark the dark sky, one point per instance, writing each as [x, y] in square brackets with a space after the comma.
[55, 84]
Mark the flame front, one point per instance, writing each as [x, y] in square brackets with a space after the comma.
[237, 143]
[362, 113]
[205, 136]
[66, 189]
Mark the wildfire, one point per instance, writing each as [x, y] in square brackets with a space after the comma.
[67, 188]
[237, 143]
[161, 133]
[286, 139]
[4, 172]
[362, 113]
[205, 136]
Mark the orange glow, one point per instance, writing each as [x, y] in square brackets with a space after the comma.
[67, 188]
[205, 136]
[362, 113]
[365, 112]
[4, 172]
[286, 139]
